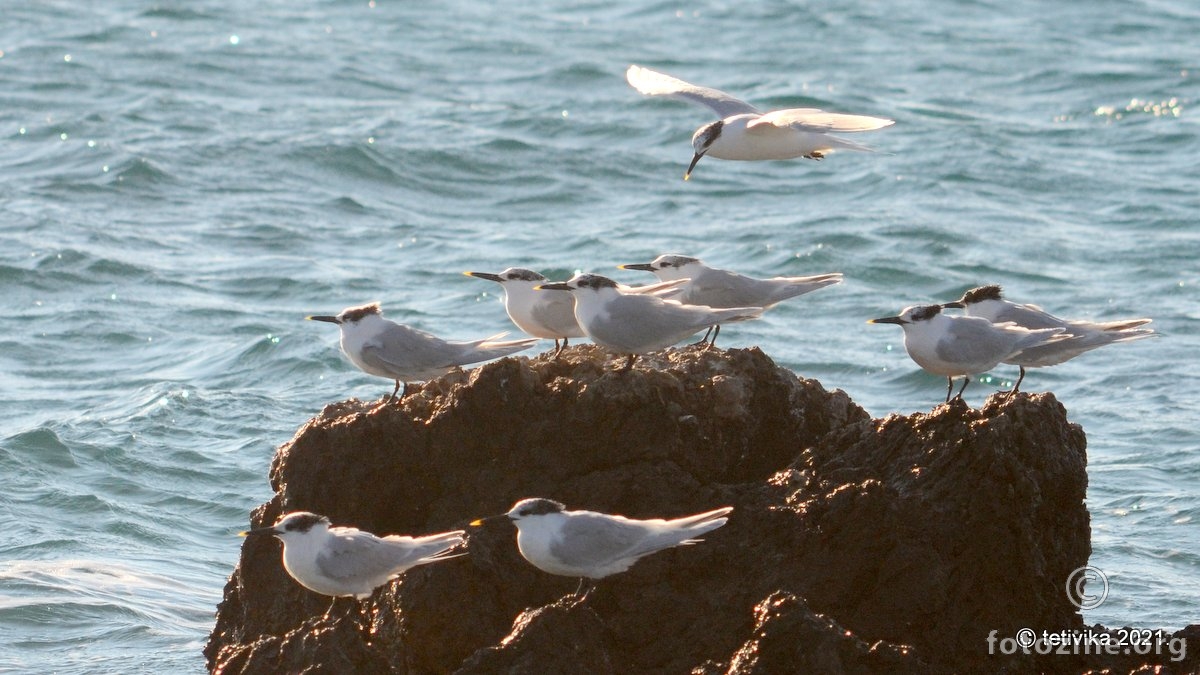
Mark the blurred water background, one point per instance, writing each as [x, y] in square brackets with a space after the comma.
[182, 183]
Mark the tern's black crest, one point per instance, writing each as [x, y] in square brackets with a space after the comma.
[676, 261]
[927, 312]
[521, 274]
[980, 294]
[709, 133]
[358, 313]
[538, 507]
[595, 281]
[303, 522]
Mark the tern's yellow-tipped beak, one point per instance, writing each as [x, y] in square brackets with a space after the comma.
[687, 175]
[477, 522]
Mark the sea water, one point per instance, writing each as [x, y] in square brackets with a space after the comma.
[183, 182]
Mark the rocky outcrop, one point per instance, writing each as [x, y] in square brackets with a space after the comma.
[856, 545]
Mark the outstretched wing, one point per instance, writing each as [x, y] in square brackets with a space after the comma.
[815, 120]
[653, 83]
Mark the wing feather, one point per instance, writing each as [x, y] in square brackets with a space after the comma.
[819, 121]
[651, 83]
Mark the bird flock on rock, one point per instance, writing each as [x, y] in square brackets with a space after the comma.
[629, 321]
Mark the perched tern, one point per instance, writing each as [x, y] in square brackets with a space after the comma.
[402, 353]
[987, 302]
[550, 315]
[638, 323]
[544, 315]
[719, 288]
[592, 545]
[744, 132]
[962, 346]
[347, 562]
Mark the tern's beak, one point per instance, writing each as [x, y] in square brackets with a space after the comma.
[957, 304]
[645, 267]
[327, 319]
[554, 286]
[479, 522]
[257, 532]
[889, 319]
[687, 175]
[484, 275]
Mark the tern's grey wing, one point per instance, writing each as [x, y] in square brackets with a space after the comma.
[648, 316]
[1028, 316]
[974, 341]
[815, 120]
[359, 557]
[652, 83]
[722, 288]
[1055, 353]
[406, 352]
[593, 539]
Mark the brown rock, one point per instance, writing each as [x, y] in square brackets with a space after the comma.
[856, 545]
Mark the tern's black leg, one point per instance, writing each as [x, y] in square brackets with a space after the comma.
[1019, 379]
[329, 612]
[396, 389]
[585, 588]
[352, 608]
[949, 387]
[358, 612]
[629, 362]
[966, 381]
[704, 339]
[716, 331]
[558, 349]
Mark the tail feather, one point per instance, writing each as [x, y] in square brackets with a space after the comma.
[684, 531]
[1114, 326]
[432, 547]
[710, 519]
[794, 286]
[836, 143]
[492, 350]
[735, 314]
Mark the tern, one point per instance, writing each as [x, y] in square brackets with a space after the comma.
[637, 323]
[550, 315]
[719, 288]
[347, 562]
[388, 349]
[744, 132]
[987, 302]
[962, 346]
[592, 545]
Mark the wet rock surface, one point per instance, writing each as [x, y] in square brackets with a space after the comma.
[856, 545]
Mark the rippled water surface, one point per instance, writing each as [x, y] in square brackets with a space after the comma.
[183, 182]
